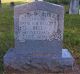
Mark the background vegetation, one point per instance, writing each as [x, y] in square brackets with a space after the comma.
[59, 1]
[71, 32]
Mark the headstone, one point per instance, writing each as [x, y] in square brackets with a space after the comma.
[74, 7]
[38, 32]
[79, 11]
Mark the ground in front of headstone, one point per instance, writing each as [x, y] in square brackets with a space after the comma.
[75, 70]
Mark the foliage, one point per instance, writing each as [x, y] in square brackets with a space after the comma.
[6, 32]
[59, 1]
[72, 31]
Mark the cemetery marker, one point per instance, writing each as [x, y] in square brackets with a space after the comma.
[74, 7]
[38, 28]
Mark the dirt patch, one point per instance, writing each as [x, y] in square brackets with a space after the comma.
[74, 70]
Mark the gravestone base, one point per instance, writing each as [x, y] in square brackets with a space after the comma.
[16, 64]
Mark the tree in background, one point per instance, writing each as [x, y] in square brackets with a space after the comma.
[0, 3]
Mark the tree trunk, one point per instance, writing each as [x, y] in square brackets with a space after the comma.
[0, 3]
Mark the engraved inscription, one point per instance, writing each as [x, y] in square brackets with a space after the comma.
[37, 25]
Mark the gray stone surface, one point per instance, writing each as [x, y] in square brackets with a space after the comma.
[79, 11]
[38, 28]
[22, 61]
[74, 7]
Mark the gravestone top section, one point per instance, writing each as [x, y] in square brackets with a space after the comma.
[38, 27]
[39, 5]
[38, 21]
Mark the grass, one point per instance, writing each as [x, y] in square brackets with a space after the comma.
[71, 33]
[6, 32]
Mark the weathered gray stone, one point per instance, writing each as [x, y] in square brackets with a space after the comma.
[21, 60]
[79, 11]
[38, 32]
[74, 7]
[44, 27]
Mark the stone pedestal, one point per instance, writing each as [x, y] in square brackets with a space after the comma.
[19, 62]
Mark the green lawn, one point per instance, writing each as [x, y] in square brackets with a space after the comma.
[71, 33]
[6, 32]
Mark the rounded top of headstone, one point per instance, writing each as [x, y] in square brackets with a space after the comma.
[40, 5]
